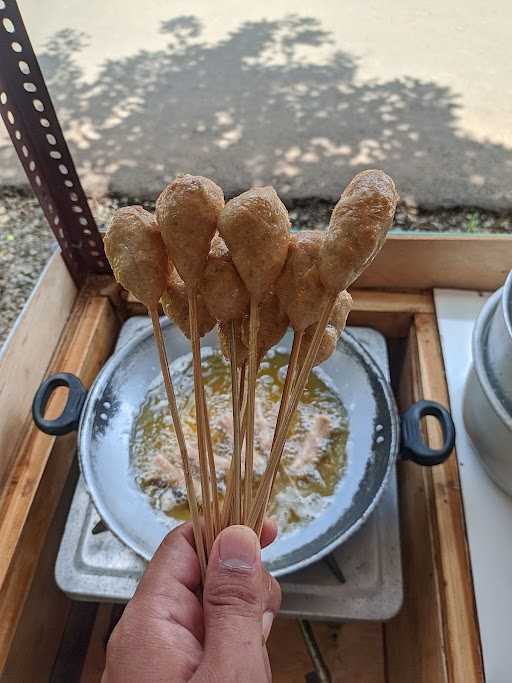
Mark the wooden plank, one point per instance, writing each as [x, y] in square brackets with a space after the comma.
[75, 642]
[391, 325]
[27, 352]
[414, 638]
[389, 312]
[425, 261]
[95, 658]
[86, 343]
[46, 608]
[371, 301]
[353, 652]
[464, 657]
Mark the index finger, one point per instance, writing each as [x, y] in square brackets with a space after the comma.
[268, 532]
[176, 559]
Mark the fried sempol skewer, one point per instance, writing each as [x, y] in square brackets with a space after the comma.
[134, 248]
[227, 300]
[334, 328]
[174, 302]
[255, 227]
[357, 230]
[187, 212]
[301, 295]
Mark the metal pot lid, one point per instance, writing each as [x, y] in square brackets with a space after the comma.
[114, 403]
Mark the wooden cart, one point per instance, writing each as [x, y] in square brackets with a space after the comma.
[435, 637]
[71, 323]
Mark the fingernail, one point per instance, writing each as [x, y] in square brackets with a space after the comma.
[238, 548]
[266, 623]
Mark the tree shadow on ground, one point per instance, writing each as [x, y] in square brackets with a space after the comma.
[253, 109]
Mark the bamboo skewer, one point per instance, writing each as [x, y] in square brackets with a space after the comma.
[211, 465]
[251, 404]
[200, 420]
[241, 392]
[285, 397]
[289, 380]
[264, 489]
[189, 482]
[237, 446]
[227, 509]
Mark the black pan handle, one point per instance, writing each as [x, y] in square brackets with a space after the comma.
[413, 447]
[70, 417]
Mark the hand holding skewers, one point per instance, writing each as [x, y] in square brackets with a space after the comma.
[252, 278]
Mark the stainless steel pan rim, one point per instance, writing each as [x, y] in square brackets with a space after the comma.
[374, 442]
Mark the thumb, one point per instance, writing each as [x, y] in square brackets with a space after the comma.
[233, 602]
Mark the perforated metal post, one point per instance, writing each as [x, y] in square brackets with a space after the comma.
[32, 123]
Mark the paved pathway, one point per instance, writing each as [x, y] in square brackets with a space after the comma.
[293, 93]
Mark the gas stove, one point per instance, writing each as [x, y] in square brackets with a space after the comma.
[361, 580]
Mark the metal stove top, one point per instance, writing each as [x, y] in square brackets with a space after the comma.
[361, 580]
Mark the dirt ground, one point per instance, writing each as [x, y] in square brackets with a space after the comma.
[26, 241]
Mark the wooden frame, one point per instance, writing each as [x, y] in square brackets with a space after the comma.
[425, 261]
[37, 474]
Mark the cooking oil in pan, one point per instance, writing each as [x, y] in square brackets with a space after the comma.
[314, 457]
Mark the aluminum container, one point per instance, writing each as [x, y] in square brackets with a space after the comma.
[498, 346]
[487, 420]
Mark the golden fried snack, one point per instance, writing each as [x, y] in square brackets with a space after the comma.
[174, 301]
[224, 331]
[255, 227]
[222, 289]
[299, 288]
[272, 328]
[333, 330]
[187, 212]
[327, 345]
[340, 311]
[134, 248]
[357, 229]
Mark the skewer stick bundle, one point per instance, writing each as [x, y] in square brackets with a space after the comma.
[233, 486]
[206, 473]
[134, 248]
[227, 299]
[187, 212]
[253, 279]
[356, 233]
[302, 342]
[255, 227]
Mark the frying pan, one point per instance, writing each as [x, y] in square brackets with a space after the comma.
[105, 417]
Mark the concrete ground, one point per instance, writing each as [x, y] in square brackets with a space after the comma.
[298, 94]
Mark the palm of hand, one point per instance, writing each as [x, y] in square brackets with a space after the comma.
[161, 635]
